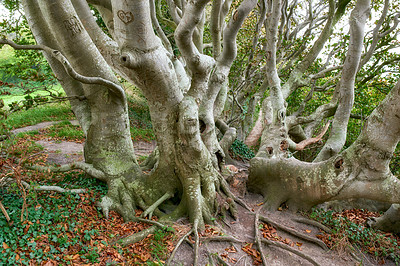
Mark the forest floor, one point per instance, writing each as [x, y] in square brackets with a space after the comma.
[241, 249]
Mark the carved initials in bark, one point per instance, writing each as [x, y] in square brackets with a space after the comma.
[73, 26]
[126, 17]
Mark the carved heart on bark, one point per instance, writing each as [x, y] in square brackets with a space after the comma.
[126, 17]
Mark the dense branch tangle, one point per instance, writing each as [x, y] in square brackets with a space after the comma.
[186, 95]
[187, 88]
[335, 174]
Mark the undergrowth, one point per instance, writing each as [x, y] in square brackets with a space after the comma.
[52, 227]
[241, 150]
[349, 229]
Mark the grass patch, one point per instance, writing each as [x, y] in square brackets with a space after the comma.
[65, 130]
[33, 116]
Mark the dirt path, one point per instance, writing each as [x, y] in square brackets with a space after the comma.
[61, 152]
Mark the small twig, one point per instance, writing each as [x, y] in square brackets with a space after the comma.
[314, 223]
[295, 233]
[5, 212]
[286, 247]
[257, 238]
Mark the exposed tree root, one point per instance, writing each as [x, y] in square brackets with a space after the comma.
[389, 221]
[45, 188]
[149, 211]
[177, 246]
[290, 249]
[151, 161]
[313, 223]
[225, 187]
[217, 257]
[295, 233]
[257, 238]
[221, 238]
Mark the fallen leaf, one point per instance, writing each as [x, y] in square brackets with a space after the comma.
[5, 246]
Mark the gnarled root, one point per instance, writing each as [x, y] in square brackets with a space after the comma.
[193, 231]
[389, 222]
[313, 223]
[151, 161]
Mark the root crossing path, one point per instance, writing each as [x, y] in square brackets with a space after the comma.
[280, 236]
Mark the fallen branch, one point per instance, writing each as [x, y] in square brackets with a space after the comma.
[136, 237]
[290, 249]
[313, 223]
[295, 233]
[88, 168]
[54, 188]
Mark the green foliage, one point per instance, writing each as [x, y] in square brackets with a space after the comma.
[139, 115]
[241, 150]
[50, 216]
[159, 247]
[395, 162]
[26, 64]
[346, 231]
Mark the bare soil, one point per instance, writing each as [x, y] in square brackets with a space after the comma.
[243, 229]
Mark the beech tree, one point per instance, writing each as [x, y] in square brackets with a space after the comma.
[185, 81]
[362, 169]
[185, 93]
